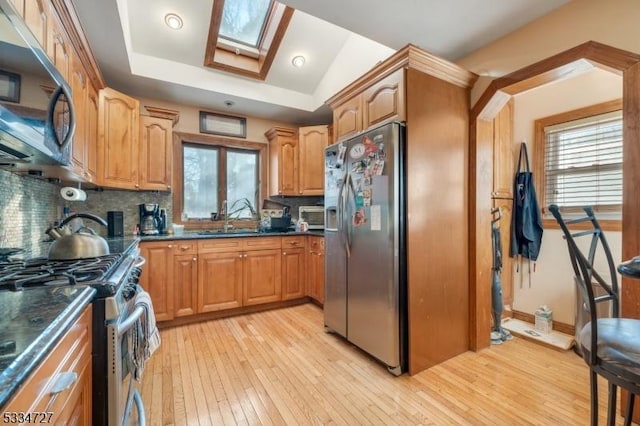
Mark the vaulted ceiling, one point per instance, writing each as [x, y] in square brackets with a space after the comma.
[138, 54]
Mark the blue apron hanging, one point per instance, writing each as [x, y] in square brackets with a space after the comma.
[526, 225]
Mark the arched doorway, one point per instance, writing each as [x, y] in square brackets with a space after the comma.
[482, 115]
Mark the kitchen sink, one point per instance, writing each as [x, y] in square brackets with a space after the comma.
[229, 232]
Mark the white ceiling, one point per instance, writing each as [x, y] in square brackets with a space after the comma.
[340, 39]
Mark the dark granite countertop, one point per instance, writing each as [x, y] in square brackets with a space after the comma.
[35, 319]
[197, 235]
[41, 249]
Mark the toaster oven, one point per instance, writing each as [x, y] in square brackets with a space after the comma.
[313, 215]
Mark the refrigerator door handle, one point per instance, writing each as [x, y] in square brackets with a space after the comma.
[349, 184]
[342, 206]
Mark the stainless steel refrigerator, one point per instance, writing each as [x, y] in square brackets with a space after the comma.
[365, 278]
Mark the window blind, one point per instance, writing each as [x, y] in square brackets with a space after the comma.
[583, 163]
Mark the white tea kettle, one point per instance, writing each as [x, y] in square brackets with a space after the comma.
[84, 243]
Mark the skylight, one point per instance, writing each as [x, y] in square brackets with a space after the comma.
[243, 21]
[244, 35]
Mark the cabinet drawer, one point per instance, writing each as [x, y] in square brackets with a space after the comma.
[316, 244]
[185, 247]
[261, 243]
[71, 355]
[220, 245]
[293, 242]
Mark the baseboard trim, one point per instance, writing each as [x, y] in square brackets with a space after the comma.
[231, 312]
[558, 326]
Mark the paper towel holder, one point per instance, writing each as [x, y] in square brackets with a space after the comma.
[73, 194]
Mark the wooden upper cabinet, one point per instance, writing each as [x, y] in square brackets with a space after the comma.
[503, 167]
[78, 83]
[381, 101]
[384, 100]
[347, 118]
[19, 5]
[156, 136]
[283, 161]
[91, 131]
[36, 15]
[312, 142]
[118, 134]
[58, 46]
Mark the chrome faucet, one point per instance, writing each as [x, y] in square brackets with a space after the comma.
[225, 211]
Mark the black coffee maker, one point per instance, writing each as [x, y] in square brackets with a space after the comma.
[150, 222]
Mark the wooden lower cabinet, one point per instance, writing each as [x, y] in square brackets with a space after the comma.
[262, 277]
[294, 262]
[70, 358]
[188, 277]
[185, 284]
[315, 269]
[157, 276]
[219, 281]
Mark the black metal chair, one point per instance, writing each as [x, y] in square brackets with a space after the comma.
[610, 346]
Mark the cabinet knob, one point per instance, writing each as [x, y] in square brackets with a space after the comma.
[168, 186]
[195, 259]
[293, 243]
[284, 253]
[240, 256]
[245, 255]
[184, 248]
[169, 245]
[137, 186]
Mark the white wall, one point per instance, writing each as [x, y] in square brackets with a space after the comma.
[552, 282]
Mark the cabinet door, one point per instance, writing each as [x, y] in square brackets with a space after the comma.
[293, 273]
[503, 169]
[36, 16]
[185, 284]
[91, 130]
[312, 142]
[78, 83]
[262, 277]
[347, 118]
[283, 161]
[219, 281]
[384, 101]
[59, 47]
[156, 137]
[156, 277]
[288, 171]
[118, 134]
[315, 269]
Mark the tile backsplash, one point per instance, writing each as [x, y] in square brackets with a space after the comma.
[28, 206]
[100, 202]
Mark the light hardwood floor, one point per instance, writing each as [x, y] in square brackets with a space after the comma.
[280, 367]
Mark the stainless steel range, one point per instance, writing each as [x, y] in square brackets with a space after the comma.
[116, 399]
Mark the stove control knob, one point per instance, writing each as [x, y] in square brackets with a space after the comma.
[128, 292]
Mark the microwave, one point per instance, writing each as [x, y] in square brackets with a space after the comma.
[37, 120]
[313, 215]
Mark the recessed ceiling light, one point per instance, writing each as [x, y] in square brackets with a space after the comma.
[173, 21]
[298, 61]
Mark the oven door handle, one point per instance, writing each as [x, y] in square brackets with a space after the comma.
[124, 326]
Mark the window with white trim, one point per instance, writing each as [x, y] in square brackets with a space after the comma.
[583, 163]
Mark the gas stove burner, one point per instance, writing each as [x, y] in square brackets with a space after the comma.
[5, 253]
[43, 272]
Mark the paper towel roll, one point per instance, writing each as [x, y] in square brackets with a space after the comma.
[73, 194]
